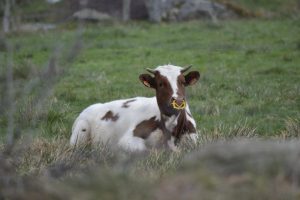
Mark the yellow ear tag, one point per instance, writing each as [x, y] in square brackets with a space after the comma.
[178, 107]
[146, 83]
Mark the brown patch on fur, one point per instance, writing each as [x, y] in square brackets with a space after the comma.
[146, 127]
[184, 126]
[110, 116]
[180, 86]
[189, 114]
[180, 128]
[164, 93]
[125, 104]
[190, 127]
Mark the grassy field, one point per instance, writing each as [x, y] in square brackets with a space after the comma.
[249, 87]
[249, 70]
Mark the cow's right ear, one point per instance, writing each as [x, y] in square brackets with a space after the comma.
[148, 80]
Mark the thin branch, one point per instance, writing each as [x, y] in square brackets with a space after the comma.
[10, 95]
[6, 17]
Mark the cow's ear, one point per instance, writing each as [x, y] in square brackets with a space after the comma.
[148, 80]
[191, 78]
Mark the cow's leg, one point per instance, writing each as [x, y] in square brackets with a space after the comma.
[172, 146]
[191, 134]
[131, 143]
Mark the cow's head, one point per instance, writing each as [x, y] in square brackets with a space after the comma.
[169, 82]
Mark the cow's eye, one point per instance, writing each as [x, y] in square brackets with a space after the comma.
[160, 84]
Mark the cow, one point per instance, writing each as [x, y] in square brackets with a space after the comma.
[141, 123]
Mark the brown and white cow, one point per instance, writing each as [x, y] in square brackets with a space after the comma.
[141, 123]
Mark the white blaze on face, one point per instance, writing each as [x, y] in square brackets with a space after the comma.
[171, 72]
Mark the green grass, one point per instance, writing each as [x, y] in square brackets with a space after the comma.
[249, 87]
[249, 70]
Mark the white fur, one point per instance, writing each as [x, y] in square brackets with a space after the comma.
[193, 137]
[188, 114]
[114, 132]
[155, 139]
[171, 72]
[172, 146]
[171, 122]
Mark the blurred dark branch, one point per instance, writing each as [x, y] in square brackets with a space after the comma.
[43, 82]
[7, 20]
[78, 43]
[6, 17]
[10, 95]
[39, 86]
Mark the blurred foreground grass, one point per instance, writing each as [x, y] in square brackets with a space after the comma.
[236, 169]
[249, 87]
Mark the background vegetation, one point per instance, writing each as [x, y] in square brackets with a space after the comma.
[249, 87]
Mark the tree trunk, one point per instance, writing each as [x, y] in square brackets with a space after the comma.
[154, 8]
[126, 10]
[6, 17]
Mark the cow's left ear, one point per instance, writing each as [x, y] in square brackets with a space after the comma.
[147, 80]
[191, 78]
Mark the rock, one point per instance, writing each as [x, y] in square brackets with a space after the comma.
[91, 15]
[157, 10]
[53, 1]
[180, 10]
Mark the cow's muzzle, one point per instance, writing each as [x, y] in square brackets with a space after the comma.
[178, 103]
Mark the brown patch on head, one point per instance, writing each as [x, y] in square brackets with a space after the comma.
[146, 127]
[110, 116]
[163, 86]
[181, 86]
[164, 94]
[126, 103]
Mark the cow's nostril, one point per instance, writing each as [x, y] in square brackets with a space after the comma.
[179, 101]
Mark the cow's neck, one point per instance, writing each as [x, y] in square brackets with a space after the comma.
[174, 125]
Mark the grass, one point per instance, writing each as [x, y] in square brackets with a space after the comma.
[249, 69]
[249, 87]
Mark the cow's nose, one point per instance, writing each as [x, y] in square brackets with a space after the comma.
[179, 100]
[178, 103]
